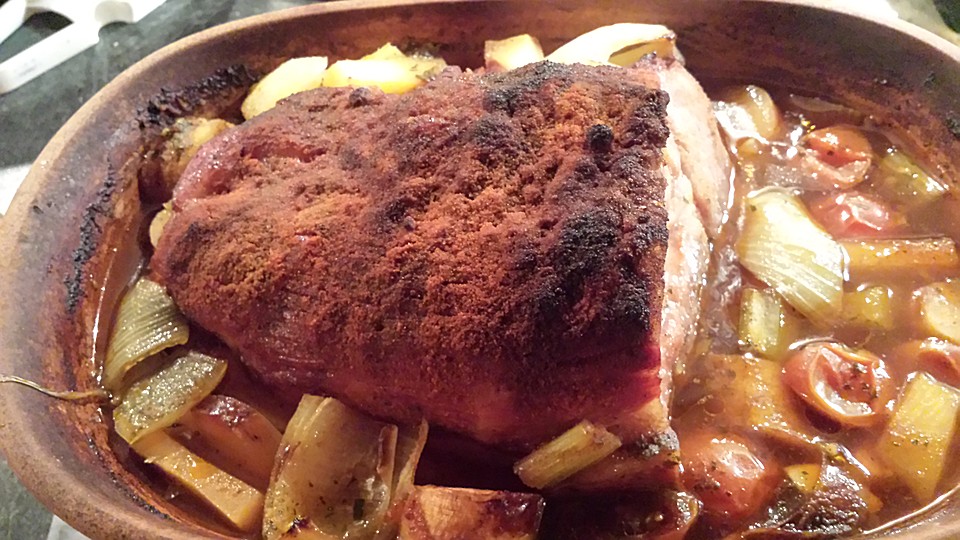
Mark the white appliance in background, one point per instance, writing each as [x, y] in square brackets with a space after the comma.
[87, 17]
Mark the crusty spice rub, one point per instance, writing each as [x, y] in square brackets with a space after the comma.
[485, 251]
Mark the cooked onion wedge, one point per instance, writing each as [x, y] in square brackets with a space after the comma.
[147, 322]
[410, 443]
[444, 512]
[783, 246]
[619, 44]
[333, 475]
[237, 502]
[291, 77]
[159, 400]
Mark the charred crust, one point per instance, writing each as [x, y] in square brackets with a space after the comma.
[209, 96]
[496, 139]
[952, 121]
[645, 126]
[600, 138]
[363, 96]
[219, 95]
[511, 91]
[91, 230]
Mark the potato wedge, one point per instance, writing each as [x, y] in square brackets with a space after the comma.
[940, 310]
[233, 436]
[511, 53]
[183, 140]
[333, 474]
[291, 77]
[444, 512]
[387, 68]
[235, 501]
[918, 437]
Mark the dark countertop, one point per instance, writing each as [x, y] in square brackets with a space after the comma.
[31, 114]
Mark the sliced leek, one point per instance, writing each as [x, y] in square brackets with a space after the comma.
[916, 443]
[940, 310]
[147, 322]
[782, 246]
[867, 258]
[511, 53]
[436, 512]
[766, 327]
[333, 474]
[574, 450]
[620, 44]
[291, 77]
[159, 400]
[237, 502]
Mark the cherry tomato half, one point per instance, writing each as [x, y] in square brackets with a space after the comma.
[839, 145]
[730, 480]
[850, 387]
[854, 215]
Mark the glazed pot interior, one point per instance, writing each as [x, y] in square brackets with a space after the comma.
[68, 242]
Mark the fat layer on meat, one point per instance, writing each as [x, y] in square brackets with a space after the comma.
[487, 252]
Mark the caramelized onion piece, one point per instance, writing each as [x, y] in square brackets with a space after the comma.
[147, 322]
[784, 248]
[620, 44]
[333, 475]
